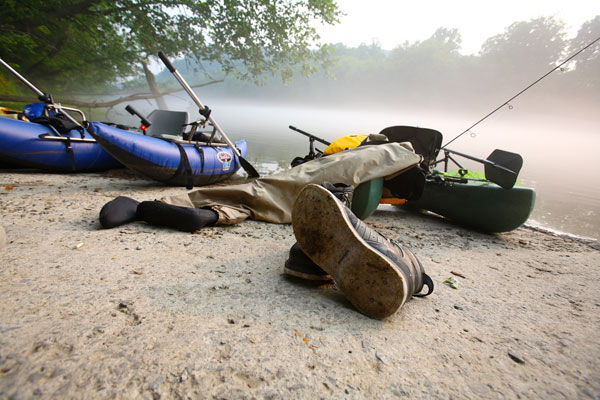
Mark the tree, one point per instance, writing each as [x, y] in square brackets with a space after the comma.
[56, 42]
[587, 64]
[427, 67]
[69, 42]
[534, 46]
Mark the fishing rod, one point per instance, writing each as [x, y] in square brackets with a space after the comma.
[523, 91]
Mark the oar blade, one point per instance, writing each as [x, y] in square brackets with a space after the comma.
[250, 170]
[503, 168]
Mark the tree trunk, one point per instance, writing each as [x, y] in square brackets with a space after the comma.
[160, 101]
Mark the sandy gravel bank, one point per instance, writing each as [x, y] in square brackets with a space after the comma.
[145, 312]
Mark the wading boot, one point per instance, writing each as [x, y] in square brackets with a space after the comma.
[298, 264]
[375, 274]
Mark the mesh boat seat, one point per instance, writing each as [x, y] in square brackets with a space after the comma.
[167, 124]
[426, 142]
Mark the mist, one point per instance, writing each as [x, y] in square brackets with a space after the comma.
[552, 124]
[557, 148]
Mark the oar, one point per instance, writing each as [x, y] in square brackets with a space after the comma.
[41, 95]
[310, 136]
[206, 113]
[501, 167]
[44, 97]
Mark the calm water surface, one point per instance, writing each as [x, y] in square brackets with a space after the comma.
[559, 151]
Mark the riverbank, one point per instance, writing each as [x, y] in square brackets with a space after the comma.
[145, 312]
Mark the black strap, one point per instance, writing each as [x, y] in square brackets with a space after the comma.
[184, 165]
[426, 282]
[71, 153]
[201, 152]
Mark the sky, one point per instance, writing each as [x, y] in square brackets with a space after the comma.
[393, 22]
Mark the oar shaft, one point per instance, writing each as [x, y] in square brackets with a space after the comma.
[21, 78]
[311, 136]
[488, 162]
[37, 91]
[189, 91]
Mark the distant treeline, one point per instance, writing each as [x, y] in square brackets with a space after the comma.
[433, 72]
[425, 73]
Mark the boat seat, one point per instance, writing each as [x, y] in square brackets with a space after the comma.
[426, 142]
[166, 122]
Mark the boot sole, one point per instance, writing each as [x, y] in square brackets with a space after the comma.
[368, 279]
[289, 270]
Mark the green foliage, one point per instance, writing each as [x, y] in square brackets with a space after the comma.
[79, 43]
[53, 43]
[64, 43]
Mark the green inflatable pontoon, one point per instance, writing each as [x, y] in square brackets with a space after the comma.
[477, 204]
[487, 202]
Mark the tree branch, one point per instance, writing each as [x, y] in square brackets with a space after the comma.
[111, 103]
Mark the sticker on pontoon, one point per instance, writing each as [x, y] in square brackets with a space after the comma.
[225, 159]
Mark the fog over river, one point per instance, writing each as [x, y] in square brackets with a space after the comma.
[559, 149]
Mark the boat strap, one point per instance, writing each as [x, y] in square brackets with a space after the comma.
[184, 167]
[71, 153]
[67, 142]
[201, 152]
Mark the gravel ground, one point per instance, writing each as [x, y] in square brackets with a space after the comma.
[145, 312]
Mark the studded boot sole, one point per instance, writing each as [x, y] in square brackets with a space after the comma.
[368, 278]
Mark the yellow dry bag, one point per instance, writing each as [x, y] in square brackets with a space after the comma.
[344, 143]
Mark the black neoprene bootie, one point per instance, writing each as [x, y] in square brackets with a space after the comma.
[375, 274]
[186, 219]
[118, 211]
[298, 264]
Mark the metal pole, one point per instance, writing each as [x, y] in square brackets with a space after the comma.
[21, 78]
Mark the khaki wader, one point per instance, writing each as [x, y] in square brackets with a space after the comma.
[271, 198]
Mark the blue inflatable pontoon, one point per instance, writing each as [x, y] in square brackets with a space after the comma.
[167, 158]
[33, 145]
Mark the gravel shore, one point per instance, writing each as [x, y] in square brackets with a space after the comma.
[145, 312]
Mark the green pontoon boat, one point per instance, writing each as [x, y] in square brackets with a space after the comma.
[490, 202]
[478, 204]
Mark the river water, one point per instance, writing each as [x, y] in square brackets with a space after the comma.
[559, 150]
